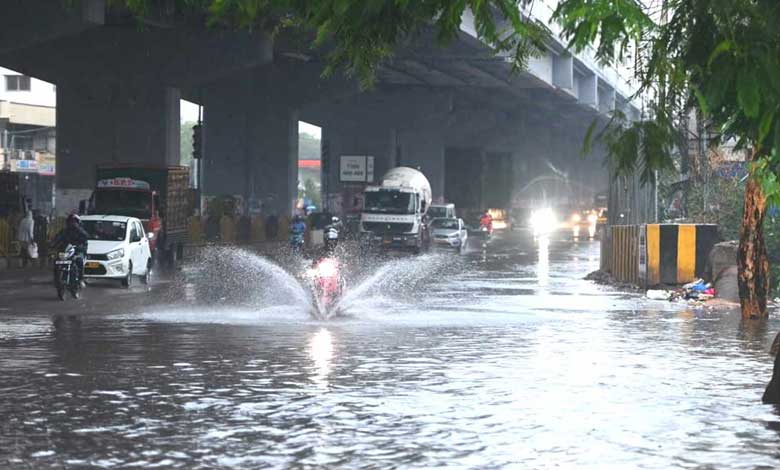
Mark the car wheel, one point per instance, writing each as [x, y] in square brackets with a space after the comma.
[127, 282]
[147, 277]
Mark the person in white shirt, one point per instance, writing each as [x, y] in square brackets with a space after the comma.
[24, 234]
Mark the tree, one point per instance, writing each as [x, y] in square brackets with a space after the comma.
[185, 140]
[722, 55]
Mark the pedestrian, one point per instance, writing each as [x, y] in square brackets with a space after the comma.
[25, 237]
[41, 236]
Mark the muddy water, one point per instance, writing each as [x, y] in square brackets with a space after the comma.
[501, 359]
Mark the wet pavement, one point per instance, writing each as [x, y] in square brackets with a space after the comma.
[498, 359]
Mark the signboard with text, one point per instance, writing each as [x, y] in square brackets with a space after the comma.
[356, 169]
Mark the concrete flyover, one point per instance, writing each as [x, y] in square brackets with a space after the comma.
[119, 84]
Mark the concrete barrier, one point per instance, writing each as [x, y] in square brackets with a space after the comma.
[654, 254]
[678, 253]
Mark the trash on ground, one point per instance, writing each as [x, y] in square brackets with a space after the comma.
[659, 294]
[697, 291]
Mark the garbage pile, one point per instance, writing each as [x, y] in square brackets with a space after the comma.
[693, 291]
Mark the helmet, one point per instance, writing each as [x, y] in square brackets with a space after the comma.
[74, 219]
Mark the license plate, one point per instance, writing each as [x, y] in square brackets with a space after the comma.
[92, 264]
[62, 262]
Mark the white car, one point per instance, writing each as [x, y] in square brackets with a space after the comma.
[449, 233]
[117, 249]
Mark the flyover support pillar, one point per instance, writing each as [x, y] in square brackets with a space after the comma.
[251, 147]
[111, 123]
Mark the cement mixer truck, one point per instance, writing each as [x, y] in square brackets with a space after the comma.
[393, 214]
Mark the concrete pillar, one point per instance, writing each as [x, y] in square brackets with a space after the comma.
[424, 149]
[251, 144]
[112, 123]
[588, 91]
[378, 141]
[563, 72]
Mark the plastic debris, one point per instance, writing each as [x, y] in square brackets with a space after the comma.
[659, 294]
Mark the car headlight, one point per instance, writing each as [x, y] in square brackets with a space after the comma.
[593, 218]
[116, 254]
[576, 218]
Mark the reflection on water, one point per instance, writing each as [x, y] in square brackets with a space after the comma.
[321, 353]
[543, 261]
[477, 371]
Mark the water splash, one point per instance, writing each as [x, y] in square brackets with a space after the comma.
[396, 280]
[237, 278]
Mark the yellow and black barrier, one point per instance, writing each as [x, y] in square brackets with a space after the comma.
[677, 253]
[654, 254]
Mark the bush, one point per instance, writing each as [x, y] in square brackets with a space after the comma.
[722, 202]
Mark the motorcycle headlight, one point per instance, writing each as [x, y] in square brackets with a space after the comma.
[327, 268]
[116, 254]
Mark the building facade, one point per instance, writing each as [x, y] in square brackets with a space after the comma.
[27, 140]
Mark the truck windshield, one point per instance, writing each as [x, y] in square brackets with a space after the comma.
[105, 230]
[390, 202]
[123, 202]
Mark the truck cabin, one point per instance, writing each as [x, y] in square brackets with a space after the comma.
[392, 201]
[130, 198]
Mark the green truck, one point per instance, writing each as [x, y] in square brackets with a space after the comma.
[159, 196]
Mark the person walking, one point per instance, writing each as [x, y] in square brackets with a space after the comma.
[41, 236]
[25, 237]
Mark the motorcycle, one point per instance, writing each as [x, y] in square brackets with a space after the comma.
[327, 284]
[66, 273]
[486, 229]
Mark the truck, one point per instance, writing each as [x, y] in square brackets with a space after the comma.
[159, 196]
[393, 215]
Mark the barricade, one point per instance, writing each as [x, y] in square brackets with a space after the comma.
[653, 254]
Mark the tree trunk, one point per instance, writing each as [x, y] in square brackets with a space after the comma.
[752, 259]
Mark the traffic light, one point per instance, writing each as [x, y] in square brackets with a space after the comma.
[197, 141]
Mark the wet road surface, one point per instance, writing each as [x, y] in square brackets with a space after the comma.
[505, 358]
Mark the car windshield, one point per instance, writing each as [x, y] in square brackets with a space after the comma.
[105, 230]
[445, 223]
[393, 202]
[123, 202]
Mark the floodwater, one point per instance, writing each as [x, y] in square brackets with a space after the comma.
[502, 359]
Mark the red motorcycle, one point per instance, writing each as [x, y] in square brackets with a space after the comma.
[327, 284]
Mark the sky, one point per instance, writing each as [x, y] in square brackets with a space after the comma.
[189, 113]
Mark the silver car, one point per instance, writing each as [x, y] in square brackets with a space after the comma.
[449, 233]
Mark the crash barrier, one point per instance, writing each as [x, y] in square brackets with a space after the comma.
[677, 253]
[236, 230]
[653, 254]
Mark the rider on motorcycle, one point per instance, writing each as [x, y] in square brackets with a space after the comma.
[486, 221]
[297, 230]
[73, 234]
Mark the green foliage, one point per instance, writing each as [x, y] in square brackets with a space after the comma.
[725, 54]
[185, 141]
[721, 201]
[360, 34]
[308, 147]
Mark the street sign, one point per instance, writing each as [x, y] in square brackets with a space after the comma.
[356, 169]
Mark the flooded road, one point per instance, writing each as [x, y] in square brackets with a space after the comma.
[498, 359]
